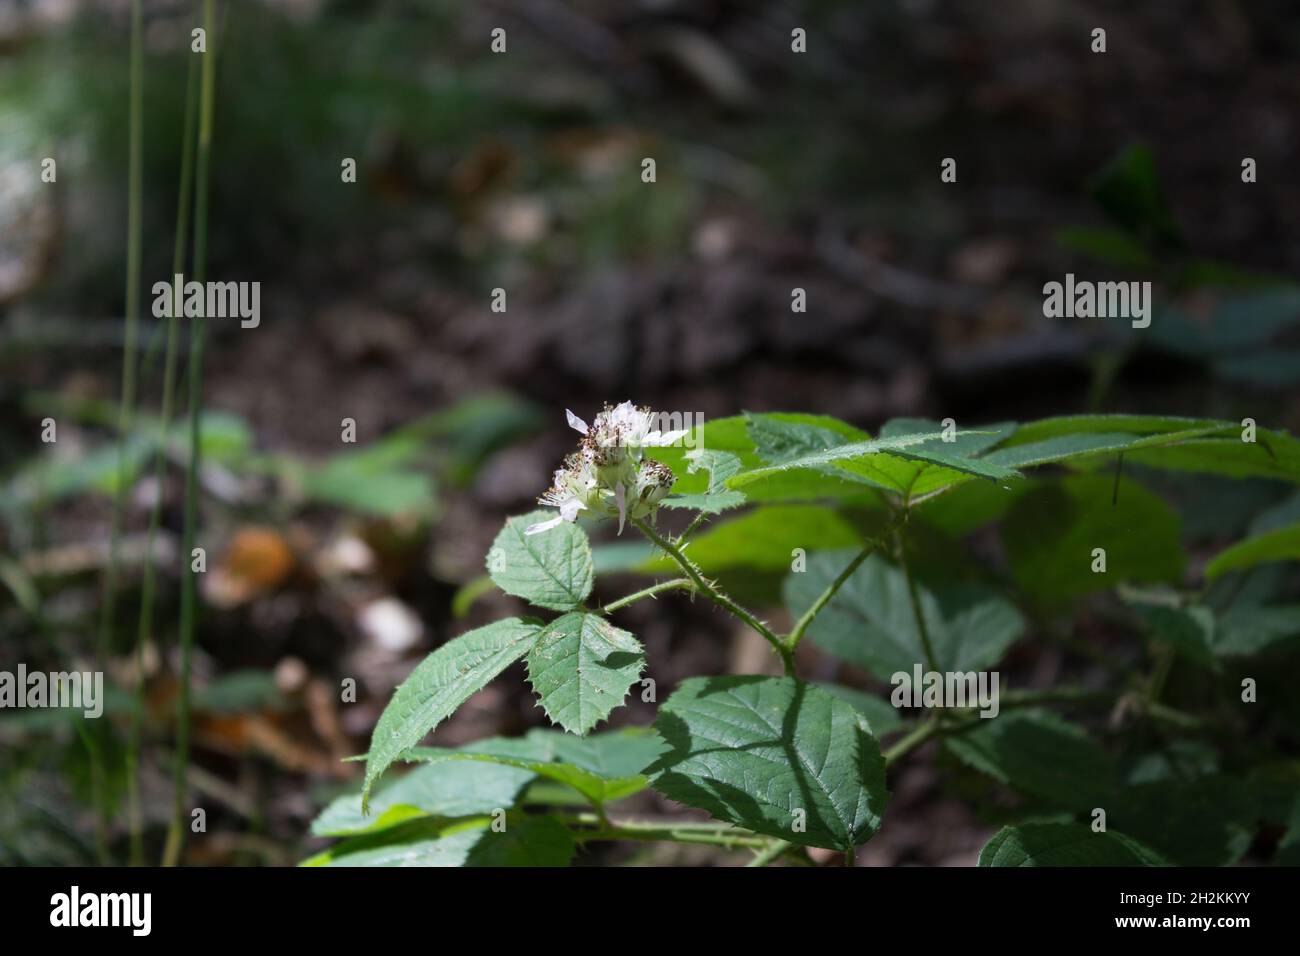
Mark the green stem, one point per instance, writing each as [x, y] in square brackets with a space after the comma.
[1160, 673]
[669, 835]
[796, 634]
[145, 629]
[690, 528]
[914, 596]
[676, 583]
[919, 735]
[129, 363]
[716, 595]
[176, 831]
[774, 850]
[589, 828]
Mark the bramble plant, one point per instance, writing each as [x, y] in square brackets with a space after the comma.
[866, 530]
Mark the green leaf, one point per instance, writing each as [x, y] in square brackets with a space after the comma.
[779, 434]
[1275, 787]
[1178, 444]
[881, 716]
[1040, 755]
[1138, 425]
[442, 682]
[1064, 844]
[476, 426]
[581, 667]
[623, 555]
[1207, 821]
[965, 444]
[436, 791]
[1109, 245]
[238, 692]
[765, 439]
[719, 435]
[888, 463]
[782, 437]
[527, 841]
[1129, 190]
[720, 465]
[1190, 630]
[602, 767]
[1270, 367]
[551, 569]
[376, 479]
[1090, 440]
[1239, 323]
[1288, 850]
[1282, 544]
[755, 751]
[870, 621]
[764, 538]
[970, 506]
[1272, 455]
[1248, 630]
[1050, 535]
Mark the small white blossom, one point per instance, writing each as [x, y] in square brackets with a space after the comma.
[609, 475]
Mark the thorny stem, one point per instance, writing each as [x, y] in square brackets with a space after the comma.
[690, 528]
[716, 595]
[796, 634]
[674, 584]
[176, 831]
[776, 849]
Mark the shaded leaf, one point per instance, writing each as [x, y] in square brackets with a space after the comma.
[1248, 630]
[1050, 535]
[1208, 821]
[770, 754]
[870, 621]
[1040, 755]
[1064, 844]
[881, 716]
[1281, 544]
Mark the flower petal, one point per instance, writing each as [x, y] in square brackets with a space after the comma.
[663, 439]
[543, 525]
[576, 423]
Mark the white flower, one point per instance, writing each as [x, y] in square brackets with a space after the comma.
[573, 490]
[625, 425]
[608, 475]
[653, 482]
